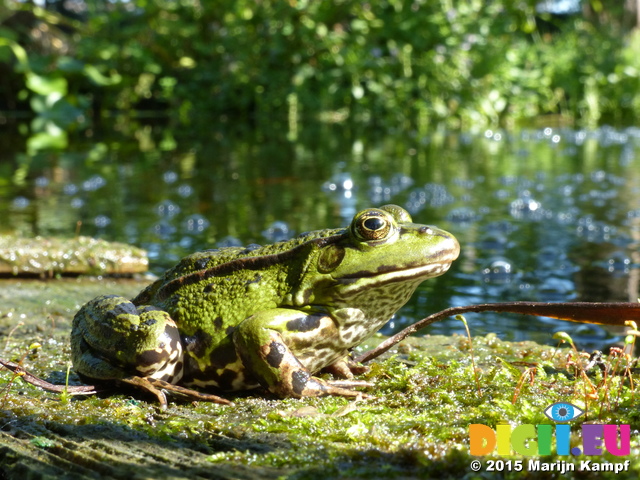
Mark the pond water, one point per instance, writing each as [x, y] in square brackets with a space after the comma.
[542, 214]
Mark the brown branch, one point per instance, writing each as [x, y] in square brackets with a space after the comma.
[586, 312]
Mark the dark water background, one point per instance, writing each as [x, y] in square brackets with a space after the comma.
[544, 214]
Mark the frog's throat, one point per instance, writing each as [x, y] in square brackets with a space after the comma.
[244, 263]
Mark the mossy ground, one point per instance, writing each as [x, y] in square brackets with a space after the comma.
[415, 425]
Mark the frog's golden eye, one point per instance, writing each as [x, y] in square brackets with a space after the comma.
[372, 225]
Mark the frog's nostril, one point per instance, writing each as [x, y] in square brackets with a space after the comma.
[426, 230]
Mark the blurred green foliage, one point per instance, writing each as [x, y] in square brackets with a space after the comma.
[393, 63]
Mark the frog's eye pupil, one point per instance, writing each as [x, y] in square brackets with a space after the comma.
[374, 223]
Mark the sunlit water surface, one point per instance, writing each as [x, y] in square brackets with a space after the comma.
[550, 214]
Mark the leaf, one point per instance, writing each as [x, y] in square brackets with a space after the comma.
[7, 33]
[47, 141]
[43, 85]
[70, 64]
[99, 79]
[18, 51]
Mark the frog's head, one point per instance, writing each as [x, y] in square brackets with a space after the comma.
[378, 260]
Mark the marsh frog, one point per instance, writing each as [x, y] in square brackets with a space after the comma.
[273, 316]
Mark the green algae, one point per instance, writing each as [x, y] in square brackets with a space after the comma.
[416, 423]
[49, 256]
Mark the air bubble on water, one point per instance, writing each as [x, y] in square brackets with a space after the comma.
[229, 241]
[593, 230]
[70, 189]
[185, 190]
[339, 183]
[492, 241]
[186, 242]
[167, 209]
[277, 232]
[526, 208]
[619, 262]
[498, 271]
[598, 175]
[196, 223]
[20, 203]
[101, 221]
[554, 289]
[462, 215]
[93, 183]
[164, 229]
[382, 192]
[41, 182]
[170, 177]
[77, 202]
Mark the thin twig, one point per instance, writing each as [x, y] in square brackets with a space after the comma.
[38, 382]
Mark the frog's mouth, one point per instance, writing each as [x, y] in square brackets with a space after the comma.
[435, 265]
[371, 280]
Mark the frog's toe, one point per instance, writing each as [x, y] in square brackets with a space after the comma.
[345, 368]
[344, 388]
[305, 385]
[145, 383]
[350, 383]
[159, 387]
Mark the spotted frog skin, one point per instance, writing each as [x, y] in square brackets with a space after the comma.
[272, 316]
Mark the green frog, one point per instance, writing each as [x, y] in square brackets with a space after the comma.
[238, 318]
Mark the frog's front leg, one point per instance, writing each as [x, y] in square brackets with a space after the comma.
[266, 342]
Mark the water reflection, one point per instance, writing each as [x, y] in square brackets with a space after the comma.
[545, 214]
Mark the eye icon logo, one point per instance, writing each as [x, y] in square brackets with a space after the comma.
[563, 412]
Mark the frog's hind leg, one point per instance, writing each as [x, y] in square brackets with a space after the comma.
[113, 339]
[267, 357]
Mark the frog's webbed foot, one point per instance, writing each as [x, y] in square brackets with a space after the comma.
[345, 368]
[158, 387]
